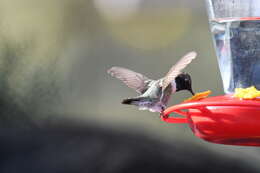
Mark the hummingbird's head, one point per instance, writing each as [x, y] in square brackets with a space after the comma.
[183, 82]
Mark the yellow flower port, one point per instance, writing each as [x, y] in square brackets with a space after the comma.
[247, 93]
[199, 96]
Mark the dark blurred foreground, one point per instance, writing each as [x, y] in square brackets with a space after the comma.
[77, 148]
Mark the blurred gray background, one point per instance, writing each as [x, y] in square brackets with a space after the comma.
[54, 55]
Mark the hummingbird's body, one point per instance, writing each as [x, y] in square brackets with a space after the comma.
[153, 99]
[155, 94]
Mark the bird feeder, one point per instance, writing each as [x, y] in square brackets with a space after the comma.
[235, 28]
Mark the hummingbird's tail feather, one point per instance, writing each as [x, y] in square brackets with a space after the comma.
[130, 101]
[134, 101]
[127, 101]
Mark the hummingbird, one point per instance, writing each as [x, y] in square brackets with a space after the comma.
[155, 94]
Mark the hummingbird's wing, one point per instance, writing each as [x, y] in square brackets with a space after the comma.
[176, 69]
[133, 80]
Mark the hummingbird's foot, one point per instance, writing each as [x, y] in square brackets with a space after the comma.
[162, 112]
[162, 115]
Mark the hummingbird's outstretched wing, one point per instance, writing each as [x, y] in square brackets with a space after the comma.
[133, 80]
[176, 69]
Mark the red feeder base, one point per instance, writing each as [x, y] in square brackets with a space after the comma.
[220, 119]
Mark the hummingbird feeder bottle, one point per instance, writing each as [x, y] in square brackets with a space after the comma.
[235, 28]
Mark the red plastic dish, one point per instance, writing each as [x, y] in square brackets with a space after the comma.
[220, 119]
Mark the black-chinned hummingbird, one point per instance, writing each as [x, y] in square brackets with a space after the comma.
[155, 94]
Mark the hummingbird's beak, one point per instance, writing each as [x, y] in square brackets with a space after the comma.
[191, 91]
